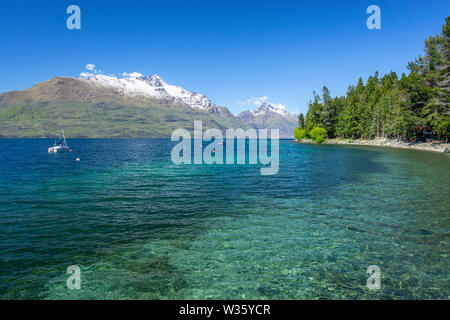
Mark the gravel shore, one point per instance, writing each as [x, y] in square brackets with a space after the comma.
[436, 146]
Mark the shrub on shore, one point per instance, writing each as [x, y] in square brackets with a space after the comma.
[299, 134]
[320, 139]
[318, 134]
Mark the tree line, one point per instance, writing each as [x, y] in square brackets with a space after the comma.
[413, 106]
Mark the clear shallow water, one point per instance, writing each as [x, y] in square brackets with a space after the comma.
[141, 227]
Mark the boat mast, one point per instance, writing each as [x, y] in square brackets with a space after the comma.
[62, 131]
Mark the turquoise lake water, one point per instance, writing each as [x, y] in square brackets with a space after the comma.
[140, 227]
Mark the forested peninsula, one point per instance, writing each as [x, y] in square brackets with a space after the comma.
[414, 107]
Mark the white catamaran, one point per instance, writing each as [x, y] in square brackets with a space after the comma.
[60, 143]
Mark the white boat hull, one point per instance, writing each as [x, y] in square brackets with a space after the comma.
[58, 149]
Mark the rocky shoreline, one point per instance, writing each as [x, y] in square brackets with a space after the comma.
[436, 146]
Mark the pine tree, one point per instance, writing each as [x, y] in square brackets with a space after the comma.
[313, 116]
[301, 121]
[328, 116]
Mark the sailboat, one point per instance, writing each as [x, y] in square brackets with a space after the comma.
[60, 143]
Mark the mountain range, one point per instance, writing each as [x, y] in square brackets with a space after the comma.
[133, 106]
[269, 115]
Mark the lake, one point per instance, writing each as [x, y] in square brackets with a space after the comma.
[141, 227]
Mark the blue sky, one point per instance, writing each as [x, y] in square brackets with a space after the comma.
[230, 51]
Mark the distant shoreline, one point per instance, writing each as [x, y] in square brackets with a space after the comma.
[435, 146]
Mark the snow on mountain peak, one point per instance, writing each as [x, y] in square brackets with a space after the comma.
[136, 84]
[271, 107]
[271, 116]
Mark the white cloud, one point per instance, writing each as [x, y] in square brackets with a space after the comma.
[91, 68]
[255, 101]
[91, 71]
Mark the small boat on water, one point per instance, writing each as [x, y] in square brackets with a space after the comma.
[60, 143]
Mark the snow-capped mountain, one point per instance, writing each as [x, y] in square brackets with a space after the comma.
[105, 106]
[96, 105]
[135, 85]
[267, 108]
[269, 115]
